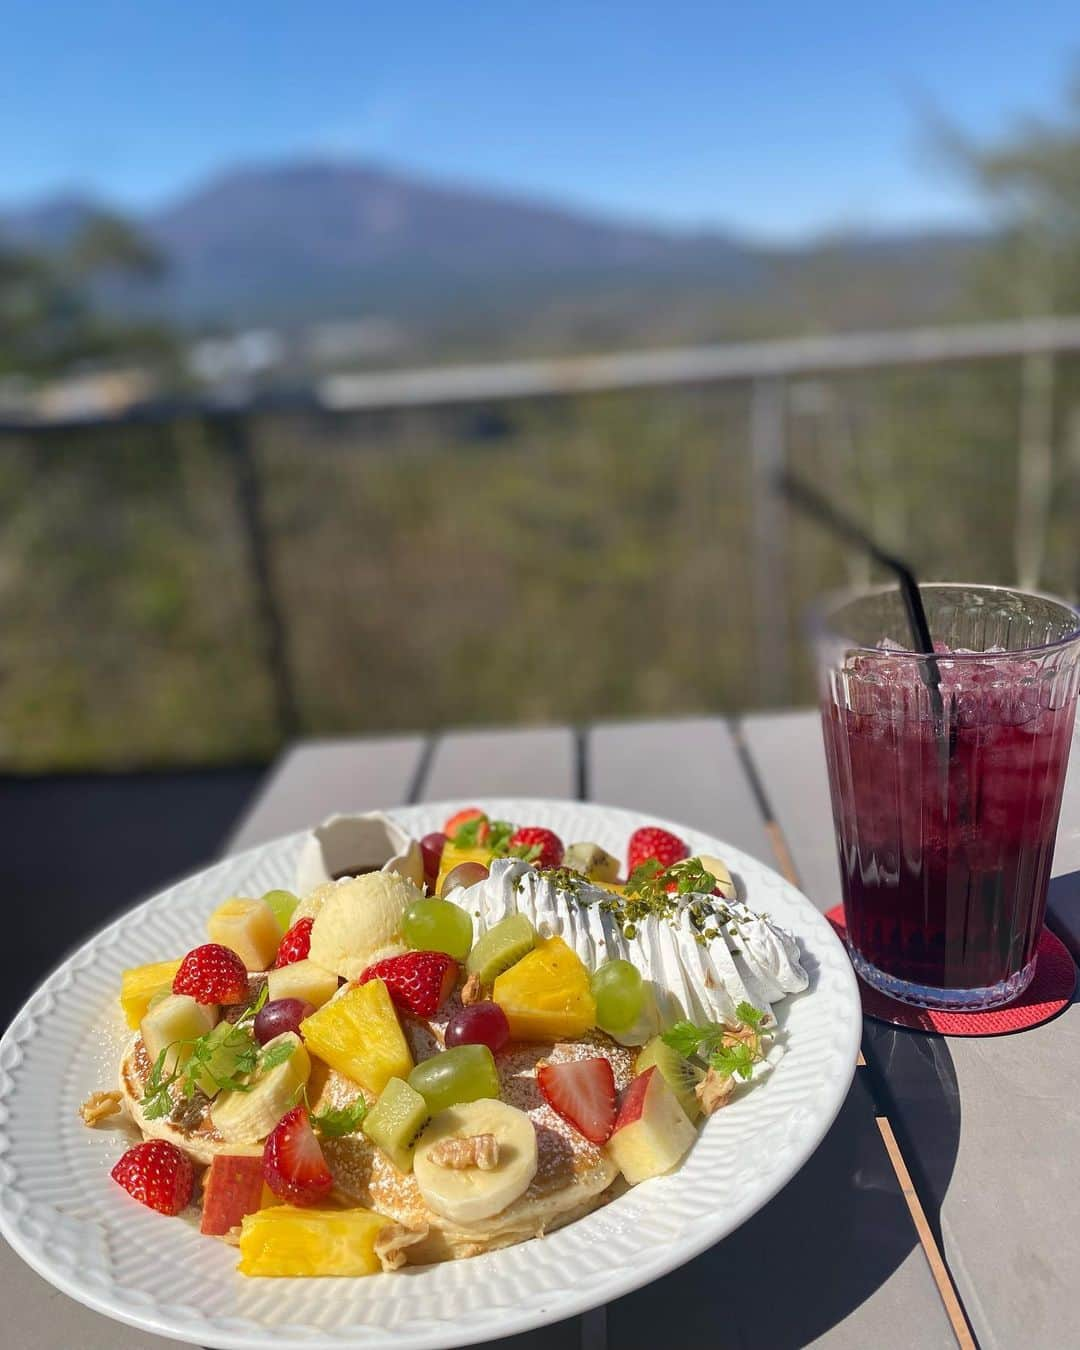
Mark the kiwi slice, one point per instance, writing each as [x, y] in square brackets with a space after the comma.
[396, 1122]
[501, 947]
[678, 1073]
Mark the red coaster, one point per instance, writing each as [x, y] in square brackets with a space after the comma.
[1046, 995]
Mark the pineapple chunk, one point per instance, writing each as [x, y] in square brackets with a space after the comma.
[173, 1021]
[305, 980]
[358, 1034]
[452, 855]
[547, 995]
[290, 1241]
[249, 927]
[139, 985]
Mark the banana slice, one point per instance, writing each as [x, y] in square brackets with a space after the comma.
[472, 1193]
[247, 1117]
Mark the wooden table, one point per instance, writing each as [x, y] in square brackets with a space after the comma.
[941, 1209]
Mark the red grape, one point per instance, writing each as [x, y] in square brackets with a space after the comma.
[479, 1024]
[431, 846]
[464, 874]
[278, 1016]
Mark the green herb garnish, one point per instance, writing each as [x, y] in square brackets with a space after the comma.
[275, 1055]
[731, 1053]
[337, 1121]
[226, 1057]
[468, 835]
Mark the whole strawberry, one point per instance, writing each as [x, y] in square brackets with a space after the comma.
[295, 945]
[293, 1164]
[157, 1174]
[212, 974]
[543, 848]
[652, 843]
[418, 982]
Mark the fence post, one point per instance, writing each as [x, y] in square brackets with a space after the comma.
[769, 548]
[236, 431]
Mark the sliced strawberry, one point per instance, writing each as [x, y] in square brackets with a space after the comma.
[652, 843]
[468, 828]
[543, 848]
[582, 1091]
[293, 1164]
[157, 1174]
[418, 982]
[212, 974]
[233, 1188]
[295, 945]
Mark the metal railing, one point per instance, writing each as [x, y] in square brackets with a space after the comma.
[769, 368]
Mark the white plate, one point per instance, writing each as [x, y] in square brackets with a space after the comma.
[62, 1213]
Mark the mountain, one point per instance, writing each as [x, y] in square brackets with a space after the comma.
[294, 242]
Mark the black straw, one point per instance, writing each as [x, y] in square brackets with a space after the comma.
[807, 499]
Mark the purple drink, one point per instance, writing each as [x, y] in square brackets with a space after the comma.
[946, 815]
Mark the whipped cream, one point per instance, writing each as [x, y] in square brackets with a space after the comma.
[750, 959]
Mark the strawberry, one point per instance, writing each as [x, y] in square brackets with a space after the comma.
[651, 842]
[212, 974]
[293, 1164]
[582, 1091]
[525, 842]
[295, 945]
[157, 1174]
[418, 982]
[471, 824]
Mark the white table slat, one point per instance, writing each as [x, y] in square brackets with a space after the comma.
[316, 778]
[989, 1127]
[533, 762]
[688, 770]
[861, 1279]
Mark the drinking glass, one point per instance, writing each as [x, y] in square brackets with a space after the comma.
[946, 775]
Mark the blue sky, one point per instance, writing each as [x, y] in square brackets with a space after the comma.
[777, 120]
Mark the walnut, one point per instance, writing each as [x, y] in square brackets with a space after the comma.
[391, 1242]
[472, 991]
[100, 1106]
[477, 1150]
[714, 1090]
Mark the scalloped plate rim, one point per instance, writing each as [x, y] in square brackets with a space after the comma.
[504, 1321]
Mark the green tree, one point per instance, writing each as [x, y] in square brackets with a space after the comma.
[51, 316]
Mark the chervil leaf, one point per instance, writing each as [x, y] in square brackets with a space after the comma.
[341, 1120]
[749, 1015]
[156, 1100]
[277, 1054]
[738, 1058]
[529, 852]
[689, 1039]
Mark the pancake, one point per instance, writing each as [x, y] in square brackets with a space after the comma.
[572, 1177]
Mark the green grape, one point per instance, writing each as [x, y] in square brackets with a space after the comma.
[282, 903]
[463, 1074]
[431, 925]
[619, 995]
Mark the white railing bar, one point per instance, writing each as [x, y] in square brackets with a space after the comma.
[691, 365]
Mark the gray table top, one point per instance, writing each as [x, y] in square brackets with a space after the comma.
[941, 1196]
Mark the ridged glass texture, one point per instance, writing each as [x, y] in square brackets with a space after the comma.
[946, 800]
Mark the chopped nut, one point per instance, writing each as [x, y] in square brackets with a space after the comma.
[714, 1090]
[100, 1106]
[472, 991]
[478, 1150]
[391, 1241]
[232, 1235]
